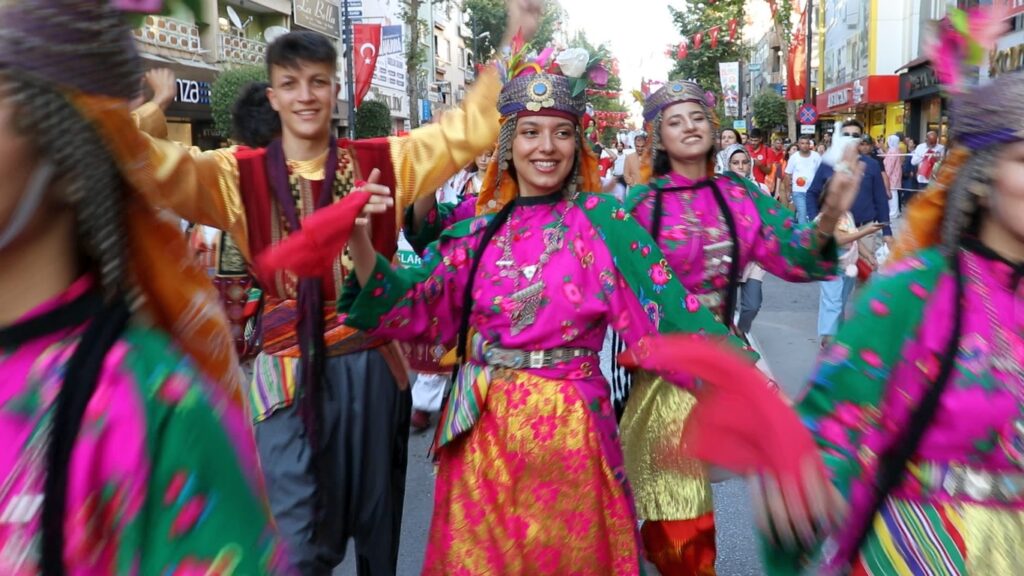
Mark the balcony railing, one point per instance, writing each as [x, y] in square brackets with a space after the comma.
[240, 50]
[170, 33]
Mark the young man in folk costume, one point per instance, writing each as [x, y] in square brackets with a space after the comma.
[331, 404]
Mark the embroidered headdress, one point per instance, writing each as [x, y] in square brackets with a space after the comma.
[983, 118]
[675, 92]
[547, 84]
[69, 67]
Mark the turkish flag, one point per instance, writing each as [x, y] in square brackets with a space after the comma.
[732, 29]
[366, 45]
[796, 63]
[697, 39]
[681, 53]
[714, 36]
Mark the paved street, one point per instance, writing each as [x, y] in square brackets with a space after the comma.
[785, 331]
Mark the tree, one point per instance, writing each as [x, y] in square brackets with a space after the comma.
[415, 57]
[769, 110]
[225, 91]
[701, 63]
[489, 16]
[373, 119]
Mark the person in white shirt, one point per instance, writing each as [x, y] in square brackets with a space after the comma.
[926, 157]
[800, 171]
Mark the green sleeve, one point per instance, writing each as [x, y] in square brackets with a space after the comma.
[793, 252]
[416, 302]
[205, 509]
[853, 376]
[429, 229]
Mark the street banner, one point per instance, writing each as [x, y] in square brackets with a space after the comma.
[729, 74]
[367, 45]
[796, 64]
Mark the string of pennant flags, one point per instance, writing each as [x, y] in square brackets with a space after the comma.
[682, 50]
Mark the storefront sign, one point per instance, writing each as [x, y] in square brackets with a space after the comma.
[875, 89]
[192, 92]
[918, 83]
[1006, 61]
[322, 16]
[838, 98]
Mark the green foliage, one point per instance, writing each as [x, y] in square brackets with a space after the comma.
[701, 64]
[415, 57]
[226, 89]
[373, 119]
[491, 15]
[769, 110]
[601, 102]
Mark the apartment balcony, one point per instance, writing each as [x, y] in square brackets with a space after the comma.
[169, 33]
[240, 50]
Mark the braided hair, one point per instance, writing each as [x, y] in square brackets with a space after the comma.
[89, 181]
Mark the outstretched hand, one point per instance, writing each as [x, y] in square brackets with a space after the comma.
[164, 86]
[523, 17]
[797, 516]
[380, 198]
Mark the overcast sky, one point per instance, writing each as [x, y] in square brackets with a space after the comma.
[636, 31]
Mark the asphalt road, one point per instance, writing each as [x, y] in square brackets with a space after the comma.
[785, 331]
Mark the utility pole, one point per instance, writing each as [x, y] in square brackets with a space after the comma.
[350, 81]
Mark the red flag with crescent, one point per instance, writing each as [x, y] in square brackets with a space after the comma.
[714, 36]
[366, 45]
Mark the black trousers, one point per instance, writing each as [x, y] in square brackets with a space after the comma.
[354, 485]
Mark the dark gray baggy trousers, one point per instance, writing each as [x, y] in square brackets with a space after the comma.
[354, 486]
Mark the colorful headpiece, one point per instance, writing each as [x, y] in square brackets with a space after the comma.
[670, 93]
[541, 93]
[70, 68]
[982, 119]
[545, 84]
[674, 92]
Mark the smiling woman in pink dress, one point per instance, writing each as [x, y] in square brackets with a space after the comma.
[531, 477]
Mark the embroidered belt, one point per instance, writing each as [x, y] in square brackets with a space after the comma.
[535, 359]
[982, 485]
[468, 393]
[711, 300]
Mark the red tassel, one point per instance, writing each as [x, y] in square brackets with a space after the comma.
[312, 250]
[739, 423]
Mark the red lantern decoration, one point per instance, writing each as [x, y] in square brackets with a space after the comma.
[732, 29]
[714, 36]
[697, 39]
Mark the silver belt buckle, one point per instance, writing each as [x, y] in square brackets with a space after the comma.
[536, 359]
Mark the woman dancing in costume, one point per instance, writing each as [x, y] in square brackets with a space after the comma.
[710, 227]
[531, 478]
[918, 406]
[125, 444]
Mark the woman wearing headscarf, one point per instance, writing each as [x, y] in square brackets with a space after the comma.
[710, 228]
[125, 443]
[531, 476]
[893, 165]
[917, 408]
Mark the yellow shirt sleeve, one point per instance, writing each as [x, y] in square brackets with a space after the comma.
[201, 187]
[429, 155]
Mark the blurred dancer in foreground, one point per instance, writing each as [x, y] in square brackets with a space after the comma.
[125, 446]
[917, 407]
